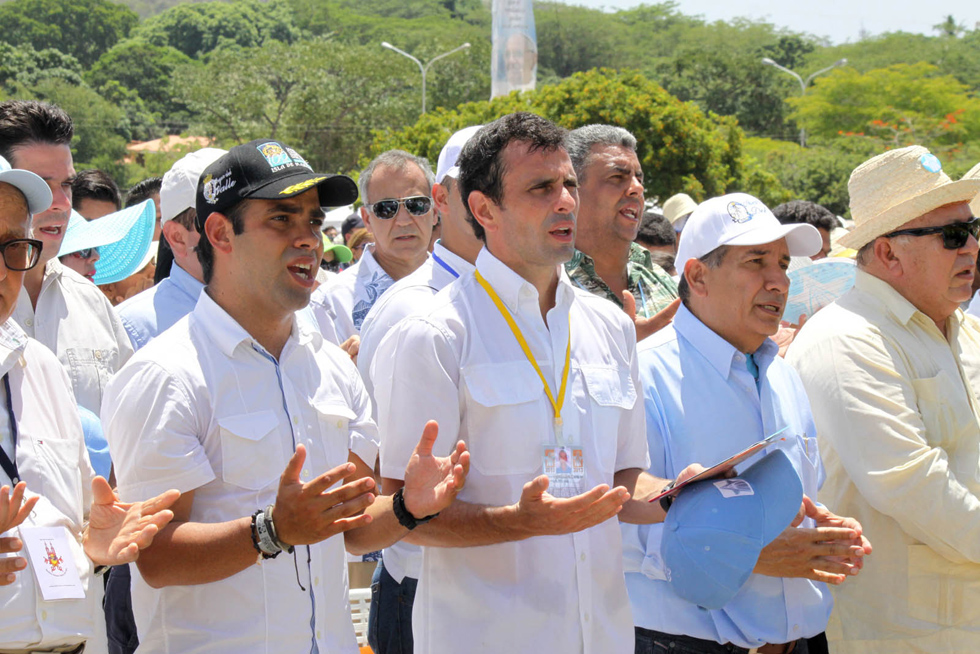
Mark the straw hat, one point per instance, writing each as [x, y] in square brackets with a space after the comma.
[974, 174]
[678, 206]
[893, 188]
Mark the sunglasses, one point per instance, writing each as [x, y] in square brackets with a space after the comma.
[955, 235]
[417, 205]
[87, 253]
[21, 253]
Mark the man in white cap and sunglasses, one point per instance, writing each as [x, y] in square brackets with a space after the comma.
[71, 526]
[718, 352]
[892, 370]
[396, 189]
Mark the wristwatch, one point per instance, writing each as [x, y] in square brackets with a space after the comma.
[405, 517]
[667, 500]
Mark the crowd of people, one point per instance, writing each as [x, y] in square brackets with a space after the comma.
[497, 379]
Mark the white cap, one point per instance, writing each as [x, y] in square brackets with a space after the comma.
[740, 219]
[450, 153]
[178, 192]
[35, 189]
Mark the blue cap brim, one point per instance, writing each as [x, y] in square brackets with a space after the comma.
[123, 239]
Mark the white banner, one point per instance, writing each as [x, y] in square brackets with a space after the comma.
[514, 62]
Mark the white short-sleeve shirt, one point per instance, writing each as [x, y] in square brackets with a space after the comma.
[341, 305]
[52, 459]
[204, 407]
[462, 366]
[76, 321]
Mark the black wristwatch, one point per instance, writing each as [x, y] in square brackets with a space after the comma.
[405, 517]
[667, 500]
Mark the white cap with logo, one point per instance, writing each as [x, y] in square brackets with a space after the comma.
[35, 189]
[450, 153]
[740, 219]
[178, 192]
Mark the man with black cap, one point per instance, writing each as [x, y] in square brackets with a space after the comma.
[733, 255]
[253, 418]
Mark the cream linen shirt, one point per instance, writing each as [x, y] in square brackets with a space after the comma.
[77, 322]
[204, 407]
[461, 365]
[52, 459]
[898, 424]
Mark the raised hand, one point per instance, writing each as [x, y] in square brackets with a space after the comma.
[13, 511]
[649, 326]
[542, 514]
[117, 531]
[431, 483]
[307, 513]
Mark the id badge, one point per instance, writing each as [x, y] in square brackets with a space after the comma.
[53, 562]
[565, 467]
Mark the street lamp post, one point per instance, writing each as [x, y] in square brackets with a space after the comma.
[803, 84]
[424, 68]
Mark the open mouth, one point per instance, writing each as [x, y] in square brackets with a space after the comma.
[303, 273]
[630, 213]
[772, 308]
[51, 230]
[563, 233]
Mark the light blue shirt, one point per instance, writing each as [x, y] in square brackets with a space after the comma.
[148, 314]
[703, 405]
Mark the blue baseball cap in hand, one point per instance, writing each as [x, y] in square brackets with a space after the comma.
[715, 529]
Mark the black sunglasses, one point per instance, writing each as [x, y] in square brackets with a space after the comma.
[21, 253]
[416, 205]
[955, 235]
[87, 253]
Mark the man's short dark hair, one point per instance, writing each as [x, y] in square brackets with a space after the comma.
[712, 260]
[205, 251]
[94, 184]
[481, 167]
[803, 211]
[350, 223]
[665, 260]
[27, 122]
[144, 191]
[655, 230]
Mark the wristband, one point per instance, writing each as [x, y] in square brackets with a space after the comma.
[271, 525]
[262, 538]
[405, 517]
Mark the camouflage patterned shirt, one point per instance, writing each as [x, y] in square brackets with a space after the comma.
[650, 285]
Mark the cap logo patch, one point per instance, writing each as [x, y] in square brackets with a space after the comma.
[298, 159]
[743, 213]
[930, 163]
[302, 186]
[215, 186]
[730, 488]
[275, 156]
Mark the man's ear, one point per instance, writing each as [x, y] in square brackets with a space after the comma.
[367, 217]
[484, 210]
[218, 230]
[695, 272]
[176, 236]
[887, 256]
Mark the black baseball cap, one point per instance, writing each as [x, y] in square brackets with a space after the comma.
[265, 169]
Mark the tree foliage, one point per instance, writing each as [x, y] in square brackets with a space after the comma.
[83, 29]
[145, 69]
[26, 66]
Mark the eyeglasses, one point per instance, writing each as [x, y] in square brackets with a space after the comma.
[955, 235]
[416, 205]
[21, 253]
[87, 253]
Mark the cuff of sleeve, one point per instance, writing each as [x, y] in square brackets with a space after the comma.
[364, 447]
[653, 564]
[186, 481]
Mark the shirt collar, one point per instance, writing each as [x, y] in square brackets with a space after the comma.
[185, 281]
[13, 340]
[227, 334]
[890, 299]
[718, 352]
[510, 286]
[454, 261]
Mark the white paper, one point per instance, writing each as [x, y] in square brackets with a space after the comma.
[53, 563]
[814, 287]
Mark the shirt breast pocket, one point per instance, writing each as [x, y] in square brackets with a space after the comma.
[506, 418]
[933, 399]
[611, 393]
[252, 451]
[89, 368]
[335, 432]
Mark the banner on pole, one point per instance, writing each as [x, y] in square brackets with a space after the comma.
[514, 62]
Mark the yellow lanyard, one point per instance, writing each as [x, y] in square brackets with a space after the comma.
[555, 404]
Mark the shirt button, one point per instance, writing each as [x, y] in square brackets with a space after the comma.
[582, 557]
[796, 627]
[295, 420]
[306, 474]
[340, 424]
[316, 581]
[30, 322]
[44, 615]
[319, 634]
[586, 617]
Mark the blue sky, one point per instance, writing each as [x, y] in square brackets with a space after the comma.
[838, 20]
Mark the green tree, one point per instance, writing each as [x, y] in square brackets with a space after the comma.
[23, 64]
[899, 105]
[680, 148]
[146, 69]
[199, 29]
[83, 29]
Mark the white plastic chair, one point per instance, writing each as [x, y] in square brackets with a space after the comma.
[360, 607]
